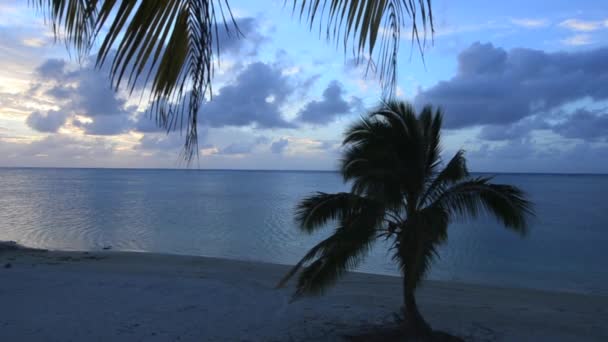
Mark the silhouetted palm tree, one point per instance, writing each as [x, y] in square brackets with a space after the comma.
[174, 43]
[399, 191]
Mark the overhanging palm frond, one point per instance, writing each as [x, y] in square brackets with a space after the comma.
[175, 40]
[72, 20]
[373, 27]
[505, 202]
[171, 43]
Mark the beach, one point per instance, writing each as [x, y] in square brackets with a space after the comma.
[126, 296]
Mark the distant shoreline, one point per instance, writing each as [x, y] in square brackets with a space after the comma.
[124, 296]
[280, 170]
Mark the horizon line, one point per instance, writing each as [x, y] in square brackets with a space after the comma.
[275, 170]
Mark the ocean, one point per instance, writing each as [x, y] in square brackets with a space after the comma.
[248, 215]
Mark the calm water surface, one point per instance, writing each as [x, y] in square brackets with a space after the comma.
[249, 215]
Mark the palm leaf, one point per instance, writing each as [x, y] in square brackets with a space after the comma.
[72, 20]
[455, 170]
[342, 251]
[316, 210]
[170, 46]
[173, 43]
[372, 27]
[505, 202]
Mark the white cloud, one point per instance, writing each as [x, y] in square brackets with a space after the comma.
[34, 42]
[582, 25]
[578, 40]
[530, 23]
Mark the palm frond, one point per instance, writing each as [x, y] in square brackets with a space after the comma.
[391, 158]
[374, 170]
[368, 132]
[172, 44]
[454, 171]
[72, 20]
[316, 210]
[431, 130]
[337, 254]
[372, 27]
[505, 202]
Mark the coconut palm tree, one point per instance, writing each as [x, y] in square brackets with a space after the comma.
[401, 191]
[174, 43]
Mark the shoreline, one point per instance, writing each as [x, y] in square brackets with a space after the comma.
[124, 296]
[564, 290]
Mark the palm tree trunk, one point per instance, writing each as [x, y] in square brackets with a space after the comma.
[414, 322]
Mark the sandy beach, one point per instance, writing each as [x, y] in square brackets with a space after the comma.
[118, 296]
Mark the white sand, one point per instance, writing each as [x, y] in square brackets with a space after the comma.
[111, 296]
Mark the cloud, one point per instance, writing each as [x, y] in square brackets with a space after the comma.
[248, 36]
[57, 149]
[518, 130]
[170, 142]
[237, 148]
[48, 122]
[530, 23]
[105, 125]
[498, 87]
[254, 98]
[86, 93]
[279, 146]
[146, 123]
[83, 96]
[331, 106]
[584, 124]
[52, 69]
[241, 147]
[582, 25]
[577, 40]
[579, 157]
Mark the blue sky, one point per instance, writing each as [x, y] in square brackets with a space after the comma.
[522, 85]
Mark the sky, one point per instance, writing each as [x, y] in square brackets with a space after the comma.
[523, 86]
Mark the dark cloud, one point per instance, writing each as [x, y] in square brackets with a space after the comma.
[83, 92]
[52, 69]
[245, 146]
[87, 92]
[495, 86]
[238, 148]
[584, 124]
[517, 130]
[329, 108]
[254, 98]
[48, 122]
[146, 123]
[528, 155]
[279, 146]
[248, 37]
[105, 125]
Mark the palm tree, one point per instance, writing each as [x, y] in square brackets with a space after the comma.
[174, 44]
[398, 192]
